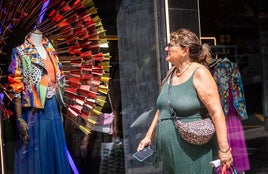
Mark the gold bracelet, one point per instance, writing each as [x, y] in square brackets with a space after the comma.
[225, 150]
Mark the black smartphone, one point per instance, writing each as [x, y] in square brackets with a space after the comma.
[143, 154]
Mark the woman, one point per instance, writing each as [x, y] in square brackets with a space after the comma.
[194, 91]
[34, 75]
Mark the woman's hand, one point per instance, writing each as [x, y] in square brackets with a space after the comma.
[150, 135]
[146, 141]
[226, 157]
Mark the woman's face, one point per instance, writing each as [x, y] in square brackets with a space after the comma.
[175, 53]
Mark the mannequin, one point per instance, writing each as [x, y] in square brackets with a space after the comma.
[36, 37]
[40, 137]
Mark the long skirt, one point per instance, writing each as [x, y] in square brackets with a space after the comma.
[46, 152]
[236, 139]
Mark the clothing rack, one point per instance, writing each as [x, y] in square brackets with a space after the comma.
[221, 51]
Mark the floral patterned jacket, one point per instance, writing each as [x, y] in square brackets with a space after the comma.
[227, 75]
[28, 76]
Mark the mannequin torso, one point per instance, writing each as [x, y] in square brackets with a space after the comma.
[36, 39]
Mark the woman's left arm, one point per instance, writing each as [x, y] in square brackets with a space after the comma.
[207, 91]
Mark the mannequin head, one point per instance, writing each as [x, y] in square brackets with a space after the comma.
[36, 37]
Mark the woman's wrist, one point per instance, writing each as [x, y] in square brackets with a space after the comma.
[148, 136]
[224, 150]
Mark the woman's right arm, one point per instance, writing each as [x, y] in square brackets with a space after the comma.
[150, 135]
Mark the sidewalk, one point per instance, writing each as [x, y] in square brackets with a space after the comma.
[257, 144]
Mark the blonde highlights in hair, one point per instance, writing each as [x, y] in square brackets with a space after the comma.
[186, 38]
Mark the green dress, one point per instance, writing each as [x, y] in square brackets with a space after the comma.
[179, 156]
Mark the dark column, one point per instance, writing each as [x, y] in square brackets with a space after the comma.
[139, 59]
[141, 29]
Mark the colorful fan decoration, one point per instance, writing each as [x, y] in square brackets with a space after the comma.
[77, 33]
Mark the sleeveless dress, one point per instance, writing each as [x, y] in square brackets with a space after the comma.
[179, 156]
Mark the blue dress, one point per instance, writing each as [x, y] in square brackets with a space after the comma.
[179, 156]
[46, 152]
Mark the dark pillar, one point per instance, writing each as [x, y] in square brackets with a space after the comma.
[141, 29]
[139, 62]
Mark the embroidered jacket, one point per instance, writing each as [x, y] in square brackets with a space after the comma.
[28, 76]
[227, 75]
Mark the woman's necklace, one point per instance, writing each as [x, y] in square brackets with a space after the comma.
[179, 74]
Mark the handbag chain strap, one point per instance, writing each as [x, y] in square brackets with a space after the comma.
[171, 110]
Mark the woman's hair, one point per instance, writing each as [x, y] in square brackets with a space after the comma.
[197, 51]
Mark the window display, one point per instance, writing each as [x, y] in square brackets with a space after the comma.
[68, 36]
[33, 74]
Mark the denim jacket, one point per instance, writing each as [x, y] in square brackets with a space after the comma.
[28, 76]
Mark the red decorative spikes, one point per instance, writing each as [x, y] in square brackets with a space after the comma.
[52, 14]
[74, 47]
[75, 3]
[76, 61]
[86, 54]
[90, 94]
[84, 43]
[89, 24]
[73, 81]
[75, 51]
[76, 108]
[67, 31]
[81, 31]
[53, 3]
[64, 23]
[63, 7]
[57, 18]
[71, 91]
[86, 18]
[71, 40]
[75, 73]
[73, 18]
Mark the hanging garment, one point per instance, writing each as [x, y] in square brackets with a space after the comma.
[225, 72]
[228, 79]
